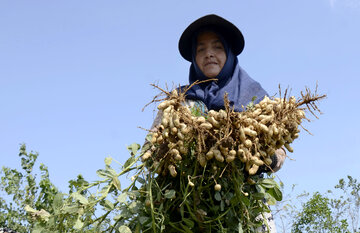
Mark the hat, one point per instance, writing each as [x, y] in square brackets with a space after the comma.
[228, 30]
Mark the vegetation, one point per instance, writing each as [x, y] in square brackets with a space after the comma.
[100, 206]
[338, 210]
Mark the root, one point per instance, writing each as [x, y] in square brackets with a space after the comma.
[310, 100]
[252, 136]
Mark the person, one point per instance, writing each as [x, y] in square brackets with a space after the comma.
[211, 44]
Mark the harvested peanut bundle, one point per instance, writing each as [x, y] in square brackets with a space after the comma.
[202, 167]
[252, 136]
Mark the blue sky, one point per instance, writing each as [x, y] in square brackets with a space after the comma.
[74, 76]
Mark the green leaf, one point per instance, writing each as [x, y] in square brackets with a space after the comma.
[117, 217]
[129, 162]
[268, 183]
[105, 174]
[134, 207]
[83, 200]
[71, 209]
[111, 171]
[143, 219]
[37, 229]
[108, 205]
[251, 105]
[188, 222]
[182, 210]
[185, 228]
[170, 194]
[140, 180]
[105, 190]
[217, 196]
[259, 188]
[133, 148]
[244, 199]
[108, 161]
[122, 197]
[124, 229]
[78, 224]
[270, 199]
[124, 214]
[133, 194]
[148, 137]
[258, 196]
[116, 183]
[58, 201]
[277, 194]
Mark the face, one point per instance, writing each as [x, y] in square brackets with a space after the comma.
[210, 54]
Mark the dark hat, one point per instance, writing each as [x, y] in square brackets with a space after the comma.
[228, 30]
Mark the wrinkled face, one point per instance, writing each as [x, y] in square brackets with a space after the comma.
[210, 54]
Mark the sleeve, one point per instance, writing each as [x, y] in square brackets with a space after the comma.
[157, 120]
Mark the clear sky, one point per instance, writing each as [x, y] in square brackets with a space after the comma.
[74, 76]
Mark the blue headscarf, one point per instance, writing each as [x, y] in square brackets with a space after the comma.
[232, 79]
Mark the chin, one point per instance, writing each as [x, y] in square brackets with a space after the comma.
[211, 75]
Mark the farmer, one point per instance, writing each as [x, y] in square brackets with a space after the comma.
[212, 44]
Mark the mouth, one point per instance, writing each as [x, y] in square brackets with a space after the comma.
[210, 63]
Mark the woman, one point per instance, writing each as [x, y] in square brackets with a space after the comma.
[211, 44]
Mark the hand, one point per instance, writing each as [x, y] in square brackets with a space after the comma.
[279, 159]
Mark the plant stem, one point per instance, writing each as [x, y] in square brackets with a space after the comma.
[152, 203]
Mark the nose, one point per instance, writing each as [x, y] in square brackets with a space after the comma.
[209, 52]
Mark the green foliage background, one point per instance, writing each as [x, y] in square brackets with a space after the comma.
[34, 204]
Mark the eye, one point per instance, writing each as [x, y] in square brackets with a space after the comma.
[200, 49]
[219, 46]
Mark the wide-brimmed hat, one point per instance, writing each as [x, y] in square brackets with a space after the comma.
[228, 30]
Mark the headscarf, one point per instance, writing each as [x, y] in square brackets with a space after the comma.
[232, 79]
